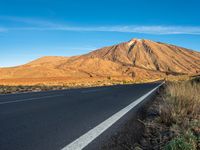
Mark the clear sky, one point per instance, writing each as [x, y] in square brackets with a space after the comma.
[34, 28]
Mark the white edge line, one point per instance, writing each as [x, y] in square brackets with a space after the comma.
[29, 99]
[88, 137]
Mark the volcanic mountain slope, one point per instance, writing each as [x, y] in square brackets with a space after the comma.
[134, 59]
[151, 55]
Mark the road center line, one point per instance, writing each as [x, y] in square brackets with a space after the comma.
[30, 99]
[88, 137]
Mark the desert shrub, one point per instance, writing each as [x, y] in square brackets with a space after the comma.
[182, 100]
[109, 77]
[166, 116]
[184, 142]
[197, 79]
[181, 111]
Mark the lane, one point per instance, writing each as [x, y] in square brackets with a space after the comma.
[29, 95]
[29, 99]
[83, 141]
[54, 122]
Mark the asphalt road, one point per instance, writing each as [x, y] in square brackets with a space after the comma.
[51, 120]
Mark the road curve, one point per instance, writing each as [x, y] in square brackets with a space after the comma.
[54, 119]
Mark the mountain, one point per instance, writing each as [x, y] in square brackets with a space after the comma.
[135, 59]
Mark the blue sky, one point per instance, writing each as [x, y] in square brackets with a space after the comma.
[34, 28]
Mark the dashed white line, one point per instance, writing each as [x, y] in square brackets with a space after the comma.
[88, 137]
[30, 99]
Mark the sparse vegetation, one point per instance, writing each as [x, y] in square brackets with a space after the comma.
[181, 101]
[181, 109]
[20, 89]
[109, 77]
[29, 85]
[187, 141]
[177, 125]
[6, 89]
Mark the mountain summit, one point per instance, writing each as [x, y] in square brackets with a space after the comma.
[137, 58]
[152, 55]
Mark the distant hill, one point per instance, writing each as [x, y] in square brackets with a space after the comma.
[135, 59]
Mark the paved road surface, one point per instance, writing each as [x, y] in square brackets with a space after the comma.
[51, 120]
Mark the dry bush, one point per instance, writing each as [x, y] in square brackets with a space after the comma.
[186, 141]
[181, 112]
[184, 100]
[177, 126]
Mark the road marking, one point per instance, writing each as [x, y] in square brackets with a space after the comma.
[30, 99]
[88, 137]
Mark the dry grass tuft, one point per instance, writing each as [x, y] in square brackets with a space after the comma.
[181, 112]
[182, 100]
[177, 127]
